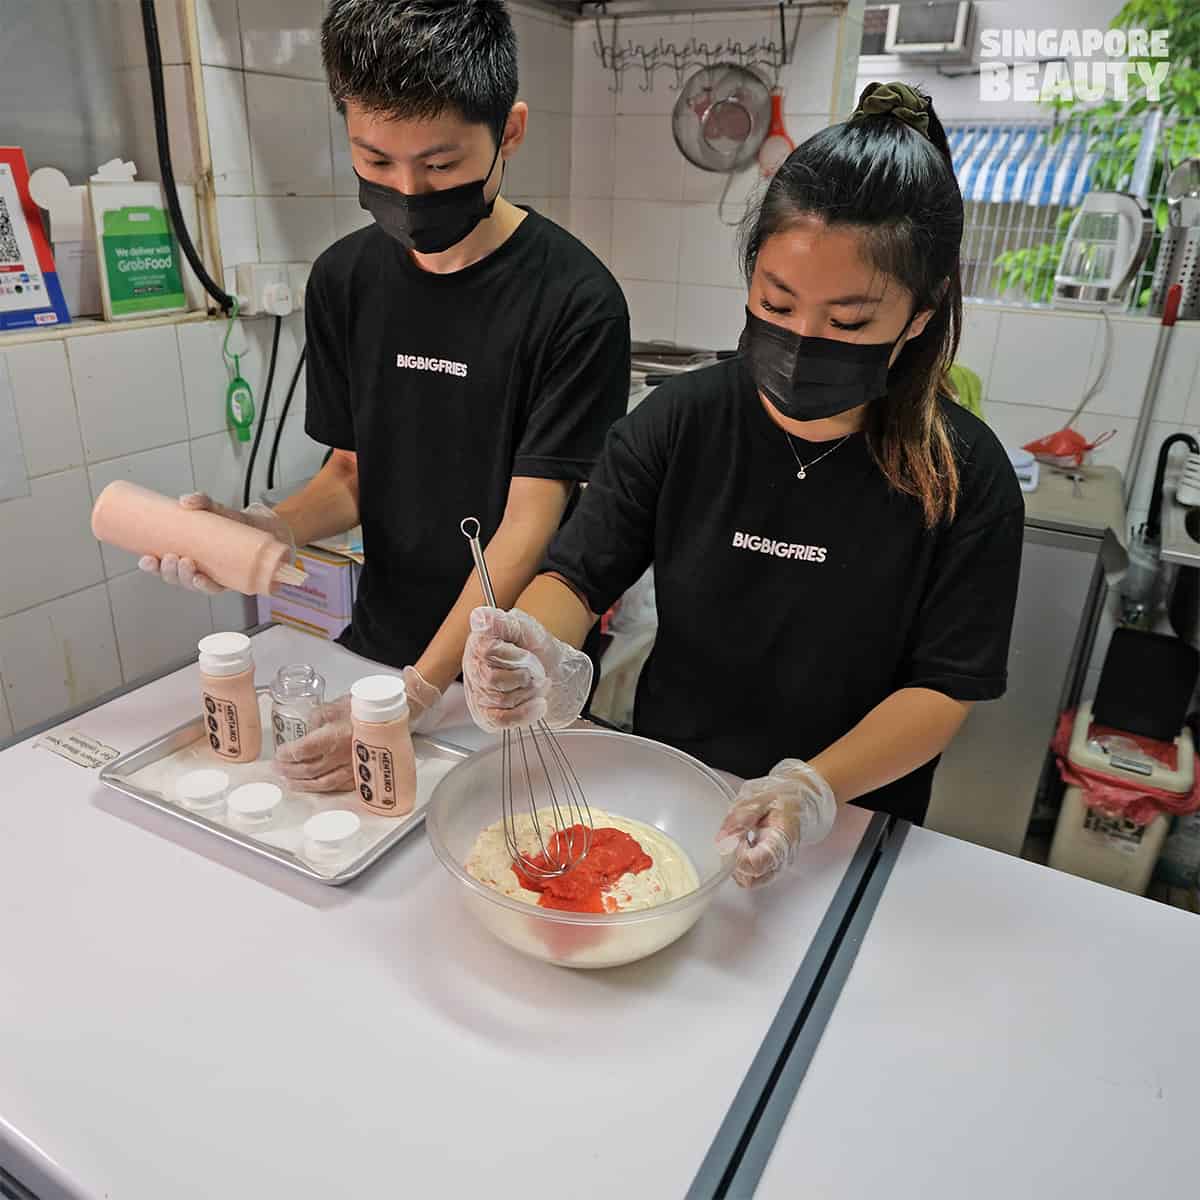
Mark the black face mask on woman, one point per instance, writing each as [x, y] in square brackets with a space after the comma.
[810, 378]
[429, 222]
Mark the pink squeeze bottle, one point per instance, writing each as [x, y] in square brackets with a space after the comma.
[385, 768]
[236, 556]
[231, 719]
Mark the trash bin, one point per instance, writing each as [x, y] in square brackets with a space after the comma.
[1122, 793]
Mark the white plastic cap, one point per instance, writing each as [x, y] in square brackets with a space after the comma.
[202, 789]
[255, 801]
[329, 833]
[225, 654]
[378, 699]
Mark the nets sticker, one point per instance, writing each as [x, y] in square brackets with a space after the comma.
[78, 748]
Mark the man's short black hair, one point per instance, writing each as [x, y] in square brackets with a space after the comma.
[420, 58]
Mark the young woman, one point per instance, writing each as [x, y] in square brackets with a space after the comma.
[835, 542]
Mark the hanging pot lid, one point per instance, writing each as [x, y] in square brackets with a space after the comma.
[721, 117]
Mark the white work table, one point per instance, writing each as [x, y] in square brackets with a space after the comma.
[1005, 1031]
[180, 1019]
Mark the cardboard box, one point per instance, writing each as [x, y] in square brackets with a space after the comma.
[323, 603]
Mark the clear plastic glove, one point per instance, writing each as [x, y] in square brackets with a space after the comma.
[424, 701]
[182, 571]
[321, 761]
[772, 818]
[517, 673]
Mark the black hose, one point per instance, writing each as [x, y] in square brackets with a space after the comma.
[1154, 516]
[155, 65]
[283, 412]
[262, 416]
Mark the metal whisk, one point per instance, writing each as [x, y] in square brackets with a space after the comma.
[549, 778]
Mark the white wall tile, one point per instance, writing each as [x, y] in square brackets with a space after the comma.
[238, 227]
[58, 656]
[648, 165]
[205, 375]
[294, 228]
[590, 219]
[282, 37]
[651, 309]
[558, 140]
[220, 34]
[157, 625]
[707, 187]
[592, 156]
[219, 465]
[710, 318]
[647, 241]
[228, 131]
[128, 390]
[300, 457]
[1124, 385]
[558, 209]
[1181, 376]
[808, 79]
[166, 470]
[349, 215]
[559, 71]
[591, 85]
[289, 136]
[708, 251]
[231, 611]
[48, 543]
[345, 182]
[527, 173]
[533, 69]
[1042, 359]
[41, 384]
[977, 347]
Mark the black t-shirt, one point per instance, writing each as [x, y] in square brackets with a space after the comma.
[447, 386]
[789, 609]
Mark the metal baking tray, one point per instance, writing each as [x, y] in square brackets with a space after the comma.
[120, 775]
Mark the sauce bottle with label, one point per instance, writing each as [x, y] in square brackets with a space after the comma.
[385, 767]
[231, 719]
[297, 692]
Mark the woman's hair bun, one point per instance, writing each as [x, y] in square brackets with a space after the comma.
[897, 100]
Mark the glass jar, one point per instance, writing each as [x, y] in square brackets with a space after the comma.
[297, 692]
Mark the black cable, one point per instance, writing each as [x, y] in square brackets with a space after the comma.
[287, 403]
[154, 64]
[262, 416]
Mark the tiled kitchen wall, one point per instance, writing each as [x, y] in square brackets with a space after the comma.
[648, 213]
[76, 619]
[281, 167]
[1037, 366]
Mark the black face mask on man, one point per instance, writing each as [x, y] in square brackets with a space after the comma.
[429, 222]
[810, 378]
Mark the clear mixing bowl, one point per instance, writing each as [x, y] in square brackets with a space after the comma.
[622, 775]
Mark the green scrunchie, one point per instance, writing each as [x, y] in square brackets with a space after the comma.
[896, 100]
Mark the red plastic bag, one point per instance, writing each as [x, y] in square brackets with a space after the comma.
[1130, 796]
[1066, 448]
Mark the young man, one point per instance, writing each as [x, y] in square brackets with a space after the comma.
[465, 356]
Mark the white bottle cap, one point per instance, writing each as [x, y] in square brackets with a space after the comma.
[328, 834]
[225, 654]
[378, 699]
[201, 790]
[254, 803]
